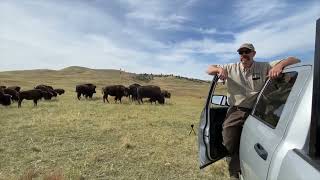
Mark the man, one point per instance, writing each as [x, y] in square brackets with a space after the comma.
[243, 80]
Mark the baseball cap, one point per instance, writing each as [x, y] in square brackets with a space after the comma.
[246, 45]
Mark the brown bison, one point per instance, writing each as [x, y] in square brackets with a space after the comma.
[43, 86]
[115, 90]
[133, 91]
[150, 91]
[87, 90]
[34, 94]
[5, 99]
[166, 93]
[17, 88]
[14, 94]
[3, 87]
[59, 91]
[48, 89]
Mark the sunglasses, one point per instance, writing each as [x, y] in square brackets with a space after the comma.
[245, 51]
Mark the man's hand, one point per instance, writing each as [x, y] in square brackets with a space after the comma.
[277, 69]
[215, 70]
[275, 72]
[222, 74]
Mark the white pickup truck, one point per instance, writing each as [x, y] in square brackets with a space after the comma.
[281, 136]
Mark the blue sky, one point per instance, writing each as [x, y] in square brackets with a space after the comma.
[180, 37]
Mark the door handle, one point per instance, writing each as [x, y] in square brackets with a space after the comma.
[261, 151]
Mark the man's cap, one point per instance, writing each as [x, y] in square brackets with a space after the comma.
[246, 45]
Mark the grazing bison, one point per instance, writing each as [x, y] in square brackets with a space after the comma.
[59, 91]
[166, 94]
[5, 99]
[41, 86]
[86, 90]
[17, 88]
[48, 89]
[115, 90]
[54, 94]
[34, 94]
[133, 91]
[14, 94]
[3, 87]
[151, 100]
[150, 91]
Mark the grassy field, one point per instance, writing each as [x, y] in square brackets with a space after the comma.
[70, 139]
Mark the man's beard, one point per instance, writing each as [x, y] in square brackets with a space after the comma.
[245, 60]
[246, 57]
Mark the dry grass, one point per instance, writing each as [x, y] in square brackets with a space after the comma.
[70, 139]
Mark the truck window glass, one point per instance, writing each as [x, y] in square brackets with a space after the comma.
[274, 97]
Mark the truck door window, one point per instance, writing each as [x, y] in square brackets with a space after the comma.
[273, 98]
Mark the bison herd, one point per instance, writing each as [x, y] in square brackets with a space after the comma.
[13, 93]
[134, 92]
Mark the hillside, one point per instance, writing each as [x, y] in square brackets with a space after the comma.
[69, 77]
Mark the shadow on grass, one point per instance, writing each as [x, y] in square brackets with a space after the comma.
[90, 99]
[51, 100]
[118, 102]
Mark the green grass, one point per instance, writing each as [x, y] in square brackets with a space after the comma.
[87, 139]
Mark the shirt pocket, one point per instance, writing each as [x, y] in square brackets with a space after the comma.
[258, 81]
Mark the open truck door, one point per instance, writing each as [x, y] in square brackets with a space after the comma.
[211, 148]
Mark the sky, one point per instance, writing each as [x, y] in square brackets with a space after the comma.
[180, 37]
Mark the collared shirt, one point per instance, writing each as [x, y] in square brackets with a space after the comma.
[243, 85]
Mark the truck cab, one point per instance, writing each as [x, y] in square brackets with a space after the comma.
[281, 136]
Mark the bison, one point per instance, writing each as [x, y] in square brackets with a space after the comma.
[133, 91]
[5, 99]
[17, 88]
[48, 89]
[115, 90]
[86, 90]
[59, 91]
[150, 91]
[41, 86]
[34, 94]
[13, 93]
[166, 93]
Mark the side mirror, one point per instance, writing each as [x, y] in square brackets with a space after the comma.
[220, 100]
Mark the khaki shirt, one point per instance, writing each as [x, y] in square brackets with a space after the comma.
[243, 85]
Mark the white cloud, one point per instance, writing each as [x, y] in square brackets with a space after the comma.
[44, 34]
[207, 31]
[282, 36]
[30, 41]
[150, 19]
[290, 34]
[161, 15]
[256, 10]
[205, 46]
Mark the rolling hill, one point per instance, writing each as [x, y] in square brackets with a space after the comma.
[69, 77]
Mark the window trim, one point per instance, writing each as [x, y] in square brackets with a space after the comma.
[263, 121]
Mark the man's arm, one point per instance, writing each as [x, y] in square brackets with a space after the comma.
[217, 70]
[277, 69]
